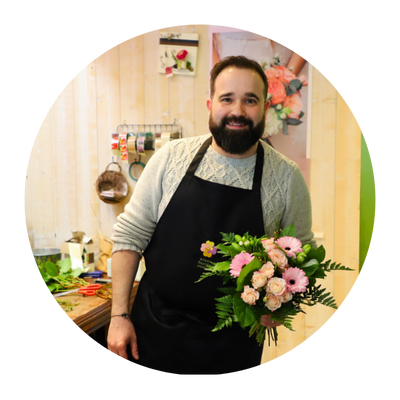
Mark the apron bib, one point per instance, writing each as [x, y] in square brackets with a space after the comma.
[173, 316]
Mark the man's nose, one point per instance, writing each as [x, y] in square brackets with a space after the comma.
[237, 109]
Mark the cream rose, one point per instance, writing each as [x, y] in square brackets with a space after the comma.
[250, 295]
[268, 269]
[287, 296]
[276, 286]
[278, 257]
[272, 302]
[259, 279]
[269, 244]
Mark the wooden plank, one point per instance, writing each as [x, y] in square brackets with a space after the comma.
[156, 100]
[39, 207]
[201, 83]
[181, 94]
[347, 199]
[86, 143]
[64, 158]
[108, 119]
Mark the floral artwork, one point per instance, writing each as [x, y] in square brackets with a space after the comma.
[284, 94]
[272, 277]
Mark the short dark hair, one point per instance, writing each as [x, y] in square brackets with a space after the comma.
[237, 62]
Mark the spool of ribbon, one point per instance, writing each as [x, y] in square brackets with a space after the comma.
[115, 143]
[140, 145]
[131, 137]
[123, 148]
[165, 137]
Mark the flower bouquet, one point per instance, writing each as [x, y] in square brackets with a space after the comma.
[284, 94]
[272, 277]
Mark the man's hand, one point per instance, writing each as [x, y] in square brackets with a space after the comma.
[121, 333]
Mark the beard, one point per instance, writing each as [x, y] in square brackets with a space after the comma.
[236, 141]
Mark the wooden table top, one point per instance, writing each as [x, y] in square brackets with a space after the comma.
[91, 312]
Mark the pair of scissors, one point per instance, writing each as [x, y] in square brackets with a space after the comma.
[89, 290]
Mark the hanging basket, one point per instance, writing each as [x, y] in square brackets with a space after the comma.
[111, 186]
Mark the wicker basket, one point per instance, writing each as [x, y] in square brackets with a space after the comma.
[111, 186]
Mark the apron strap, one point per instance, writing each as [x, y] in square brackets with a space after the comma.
[258, 170]
[198, 157]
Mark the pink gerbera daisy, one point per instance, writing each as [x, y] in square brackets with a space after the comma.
[296, 280]
[290, 244]
[238, 262]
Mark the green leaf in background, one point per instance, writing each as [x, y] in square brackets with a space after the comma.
[310, 267]
[318, 254]
[228, 250]
[243, 311]
[289, 231]
[246, 273]
[76, 272]
[222, 266]
[51, 269]
[64, 265]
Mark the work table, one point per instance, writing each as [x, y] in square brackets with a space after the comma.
[93, 313]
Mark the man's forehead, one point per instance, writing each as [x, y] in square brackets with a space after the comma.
[239, 79]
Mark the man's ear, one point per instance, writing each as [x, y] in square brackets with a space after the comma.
[209, 103]
[266, 106]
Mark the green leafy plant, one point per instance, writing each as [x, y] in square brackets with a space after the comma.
[60, 277]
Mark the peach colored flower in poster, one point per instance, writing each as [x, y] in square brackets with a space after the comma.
[295, 103]
[272, 73]
[284, 74]
[277, 89]
[276, 286]
[268, 269]
[259, 279]
[269, 244]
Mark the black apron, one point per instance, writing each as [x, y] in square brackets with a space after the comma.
[173, 316]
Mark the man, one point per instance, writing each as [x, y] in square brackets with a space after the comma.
[190, 191]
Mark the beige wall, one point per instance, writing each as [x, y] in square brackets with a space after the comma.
[73, 148]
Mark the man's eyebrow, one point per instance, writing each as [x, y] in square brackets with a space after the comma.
[248, 94]
[251, 94]
[225, 95]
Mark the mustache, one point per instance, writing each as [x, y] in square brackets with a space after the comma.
[237, 120]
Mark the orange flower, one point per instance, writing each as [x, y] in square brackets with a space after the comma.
[284, 74]
[277, 89]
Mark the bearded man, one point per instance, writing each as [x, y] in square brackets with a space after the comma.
[191, 190]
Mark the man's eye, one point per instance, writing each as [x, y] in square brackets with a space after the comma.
[226, 100]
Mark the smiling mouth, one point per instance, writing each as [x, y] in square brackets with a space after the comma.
[234, 125]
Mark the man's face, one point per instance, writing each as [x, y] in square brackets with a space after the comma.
[237, 110]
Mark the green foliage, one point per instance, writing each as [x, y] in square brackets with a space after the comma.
[246, 273]
[226, 316]
[328, 267]
[316, 294]
[60, 277]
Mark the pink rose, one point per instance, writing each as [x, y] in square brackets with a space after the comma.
[278, 257]
[277, 90]
[295, 103]
[250, 295]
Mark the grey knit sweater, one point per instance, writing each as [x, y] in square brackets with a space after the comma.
[284, 193]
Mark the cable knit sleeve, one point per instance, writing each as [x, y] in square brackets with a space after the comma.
[135, 226]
